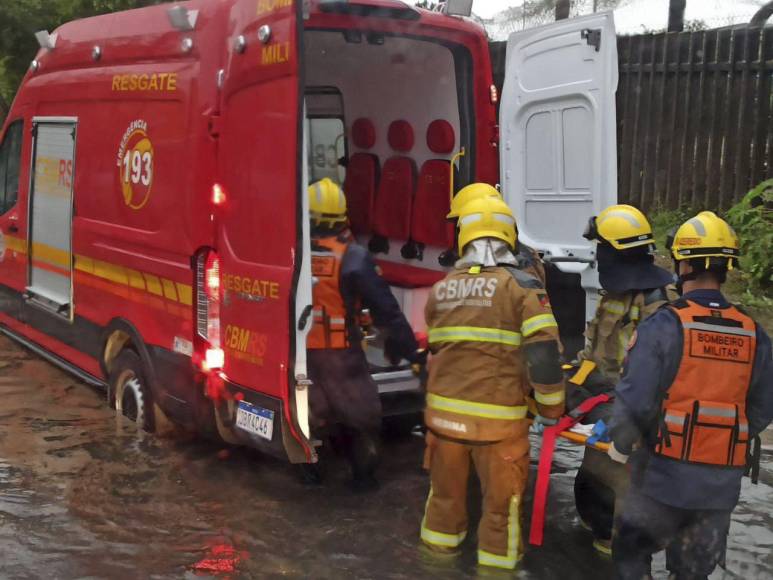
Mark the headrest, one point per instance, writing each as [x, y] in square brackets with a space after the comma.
[363, 133]
[441, 137]
[401, 136]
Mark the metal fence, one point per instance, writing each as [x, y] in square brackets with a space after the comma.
[694, 115]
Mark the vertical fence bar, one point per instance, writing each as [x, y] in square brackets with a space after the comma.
[680, 175]
[759, 88]
[633, 186]
[628, 116]
[714, 141]
[729, 143]
[663, 129]
[745, 108]
[649, 119]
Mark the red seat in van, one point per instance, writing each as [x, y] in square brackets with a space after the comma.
[361, 177]
[394, 199]
[433, 201]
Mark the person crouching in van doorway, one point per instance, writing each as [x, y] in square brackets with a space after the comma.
[633, 288]
[490, 325]
[343, 398]
[696, 389]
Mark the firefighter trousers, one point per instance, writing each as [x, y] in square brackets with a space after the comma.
[694, 540]
[503, 469]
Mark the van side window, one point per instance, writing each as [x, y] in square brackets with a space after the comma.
[10, 165]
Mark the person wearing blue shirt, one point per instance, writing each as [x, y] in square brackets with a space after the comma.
[696, 390]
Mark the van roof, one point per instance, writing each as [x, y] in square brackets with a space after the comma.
[146, 34]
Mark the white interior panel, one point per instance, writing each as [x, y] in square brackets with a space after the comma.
[404, 78]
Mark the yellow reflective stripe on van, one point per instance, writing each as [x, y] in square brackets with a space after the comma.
[534, 324]
[172, 291]
[485, 410]
[614, 307]
[439, 538]
[549, 398]
[474, 334]
[509, 561]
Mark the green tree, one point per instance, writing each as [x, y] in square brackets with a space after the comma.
[20, 19]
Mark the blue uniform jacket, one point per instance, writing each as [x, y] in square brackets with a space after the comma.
[360, 280]
[649, 370]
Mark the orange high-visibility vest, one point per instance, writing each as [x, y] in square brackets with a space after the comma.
[703, 415]
[329, 310]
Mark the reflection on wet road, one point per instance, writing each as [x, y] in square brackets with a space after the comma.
[83, 494]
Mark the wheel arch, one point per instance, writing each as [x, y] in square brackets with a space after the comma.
[118, 335]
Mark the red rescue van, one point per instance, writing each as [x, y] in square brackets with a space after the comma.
[153, 174]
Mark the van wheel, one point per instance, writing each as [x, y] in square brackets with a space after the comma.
[129, 393]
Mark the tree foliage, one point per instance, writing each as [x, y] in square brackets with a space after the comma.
[752, 218]
[20, 19]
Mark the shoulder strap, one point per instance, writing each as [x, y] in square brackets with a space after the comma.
[524, 280]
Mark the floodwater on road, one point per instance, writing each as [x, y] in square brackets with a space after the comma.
[83, 494]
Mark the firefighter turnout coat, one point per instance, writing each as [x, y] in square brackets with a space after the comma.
[493, 338]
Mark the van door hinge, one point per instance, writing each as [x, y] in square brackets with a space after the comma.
[214, 125]
[593, 37]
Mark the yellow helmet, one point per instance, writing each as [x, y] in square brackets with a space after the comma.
[467, 194]
[486, 217]
[706, 236]
[327, 202]
[622, 226]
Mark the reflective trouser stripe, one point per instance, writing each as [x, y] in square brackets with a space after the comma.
[474, 334]
[513, 541]
[485, 410]
[549, 398]
[534, 324]
[439, 538]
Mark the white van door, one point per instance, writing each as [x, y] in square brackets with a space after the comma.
[559, 150]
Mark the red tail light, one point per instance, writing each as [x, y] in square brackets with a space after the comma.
[208, 308]
[218, 194]
[212, 276]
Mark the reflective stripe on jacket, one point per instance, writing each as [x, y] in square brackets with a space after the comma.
[479, 321]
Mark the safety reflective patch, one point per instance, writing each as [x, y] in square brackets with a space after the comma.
[720, 346]
[323, 266]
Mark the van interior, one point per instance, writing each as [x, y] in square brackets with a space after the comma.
[386, 116]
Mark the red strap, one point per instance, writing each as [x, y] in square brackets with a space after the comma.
[546, 463]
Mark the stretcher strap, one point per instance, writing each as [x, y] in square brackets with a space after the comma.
[546, 463]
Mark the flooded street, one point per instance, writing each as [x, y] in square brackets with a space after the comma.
[84, 495]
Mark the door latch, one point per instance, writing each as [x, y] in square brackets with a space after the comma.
[593, 37]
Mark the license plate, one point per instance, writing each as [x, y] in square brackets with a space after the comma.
[255, 420]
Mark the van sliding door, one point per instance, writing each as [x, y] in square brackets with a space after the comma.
[50, 214]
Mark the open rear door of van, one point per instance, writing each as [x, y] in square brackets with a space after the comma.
[262, 242]
[558, 150]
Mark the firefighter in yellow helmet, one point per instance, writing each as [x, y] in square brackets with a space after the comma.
[527, 258]
[343, 398]
[633, 288]
[697, 389]
[490, 325]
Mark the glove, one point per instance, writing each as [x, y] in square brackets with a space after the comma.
[599, 433]
[540, 422]
[616, 455]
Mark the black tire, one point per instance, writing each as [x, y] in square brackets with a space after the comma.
[129, 393]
